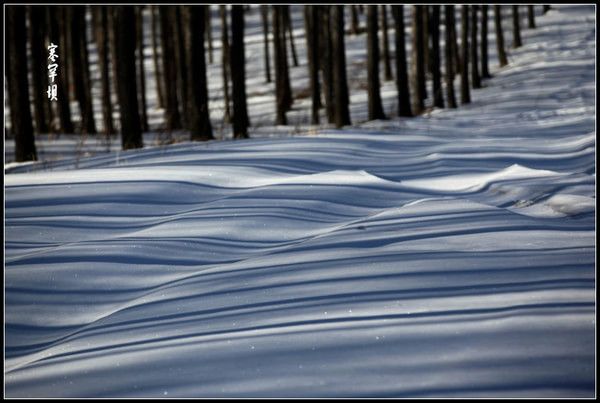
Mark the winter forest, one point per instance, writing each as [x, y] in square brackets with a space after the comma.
[302, 200]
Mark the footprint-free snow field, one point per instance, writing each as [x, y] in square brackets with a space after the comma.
[448, 255]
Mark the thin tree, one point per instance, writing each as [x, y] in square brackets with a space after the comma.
[450, 29]
[375, 106]
[172, 116]
[158, 71]
[18, 85]
[465, 96]
[531, 16]
[225, 65]
[402, 84]
[325, 62]
[311, 22]
[485, 71]
[80, 70]
[181, 64]
[198, 114]
[280, 60]
[238, 73]
[131, 131]
[354, 20]
[387, 66]
[54, 16]
[209, 35]
[101, 28]
[438, 96]
[475, 77]
[264, 10]
[340, 91]
[499, 36]
[141, 76]
[516, 27]
[419, 59]
[289, 32]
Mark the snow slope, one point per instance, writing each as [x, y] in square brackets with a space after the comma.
[446, 255]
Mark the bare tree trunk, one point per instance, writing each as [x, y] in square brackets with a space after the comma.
[265, 21]
[101, 29]
[499, 36]
[450, 28]
[37, 33]
[485, 71]
[180, 63]
[354, 15]
[288, 31]
[131, 131]
[209, 35]
[18, 84]
[387, 67]
[438, 96]
[531, 16]
[475, 77]
[402, 83]
[225, 65]
[326, 63]
[198, 119]
[342, 113]
[311, 22]
[172, 116]
[373, 84]
[465, 96]
[279, 81]
[141, 71]
[81, 74]
[158, 71]
[238, 74]
[516, 27]
[419, 49]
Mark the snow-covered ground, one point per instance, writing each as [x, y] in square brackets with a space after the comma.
[446, 255]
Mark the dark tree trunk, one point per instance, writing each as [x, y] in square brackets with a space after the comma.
[340, 91]
[287, 95]
[238, 74]
[516, 27]
[180, 62]
[55, 16]
[475, 77]
[65, 44]
[455, 48]
[39, 72]
[280, 59]
[288, 31]
[438, 96]
[158, 71]
[499, 36]
[131, 131]
[198, 114]
[354, 25]
[141, 71]
[18, 85]
[209, 35]
[326, 63]
[225, 65]
[101, 29]
[387, 66]
[311, 22]
[485, 71]
[172, 116]
[426, 47]
[375, 106]
[531, 16]
[265, 22]
[81, 74]
[402, 84]
[465, 96]
[450, 28]
[419, 49]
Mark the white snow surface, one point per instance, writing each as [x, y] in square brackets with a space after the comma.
[448, 255]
